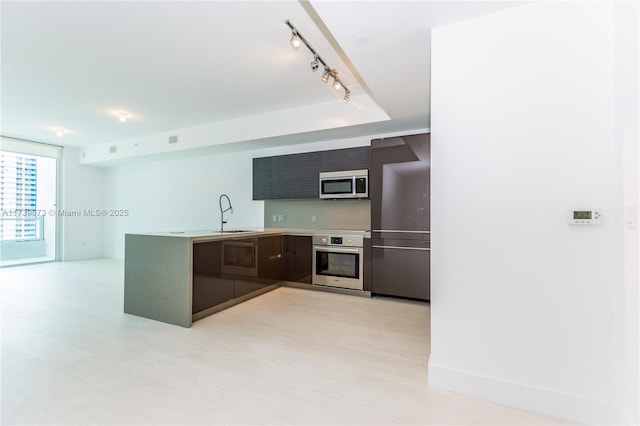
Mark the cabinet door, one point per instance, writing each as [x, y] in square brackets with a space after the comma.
[399, 271]
[298, 259]
[270, 259]
[262, 178]
[345, 159]
[210, 286]
[296, 176]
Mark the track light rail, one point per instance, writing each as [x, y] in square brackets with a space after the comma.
[328, 72]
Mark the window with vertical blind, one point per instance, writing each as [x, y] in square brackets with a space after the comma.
[20, 220]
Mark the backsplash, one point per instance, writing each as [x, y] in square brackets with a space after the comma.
[329, 214]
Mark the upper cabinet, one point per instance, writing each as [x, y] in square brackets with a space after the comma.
[262, 178]
[345, 159]
[295, 176]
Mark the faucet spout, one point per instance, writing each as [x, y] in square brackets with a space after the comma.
[223, 210]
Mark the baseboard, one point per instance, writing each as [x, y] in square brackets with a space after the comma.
[521, 396]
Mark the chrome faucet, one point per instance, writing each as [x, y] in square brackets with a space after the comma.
[222, 211]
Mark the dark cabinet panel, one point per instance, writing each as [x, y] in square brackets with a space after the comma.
[399, 183]
[296, 176]
[298, 258]
[270, 259]
[366, 267]
[210, 291]
[345, 159]
[232, 268]
[262, 178]
[210, 286]
[402, 271]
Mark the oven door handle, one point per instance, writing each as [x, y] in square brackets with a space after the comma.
[402, 248]
[331, 249]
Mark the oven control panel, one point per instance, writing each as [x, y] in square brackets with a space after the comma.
[338, 240]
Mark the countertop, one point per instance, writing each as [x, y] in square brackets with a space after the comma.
[209, 234]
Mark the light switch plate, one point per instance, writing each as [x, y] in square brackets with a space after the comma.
[631, 216]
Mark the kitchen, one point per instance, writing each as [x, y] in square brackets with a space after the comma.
[181, 276]
[489, 186]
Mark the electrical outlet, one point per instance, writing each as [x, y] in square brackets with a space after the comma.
[274, 218]
[281, 218]
[314, 218]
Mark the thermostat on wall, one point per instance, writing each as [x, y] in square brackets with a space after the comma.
[584, 217]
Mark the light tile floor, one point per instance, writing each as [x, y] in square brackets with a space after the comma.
[71, 356]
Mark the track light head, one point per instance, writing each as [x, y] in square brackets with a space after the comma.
[325, 75]
[336, 84]
[295, 40]
[315, 64]
[346, 96]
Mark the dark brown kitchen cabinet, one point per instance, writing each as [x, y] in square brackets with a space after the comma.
[295, 176]
[232, 268]
[211, 286]
[270, 259]
[262, 178]
[345, 159]
[298, 258]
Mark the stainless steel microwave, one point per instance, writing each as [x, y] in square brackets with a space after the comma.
[345, 184]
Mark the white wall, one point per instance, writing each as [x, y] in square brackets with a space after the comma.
[179, 195]
[183, 194]
[82, 189]
[524, 305]
[627, 120]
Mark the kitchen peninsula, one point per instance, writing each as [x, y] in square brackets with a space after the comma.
[180, 277]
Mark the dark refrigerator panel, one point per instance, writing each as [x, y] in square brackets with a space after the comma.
[400, 269]
[399, 185]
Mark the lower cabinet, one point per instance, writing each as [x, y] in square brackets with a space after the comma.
[271, 259]
[298, 258]
[229, 269]
[211, 286]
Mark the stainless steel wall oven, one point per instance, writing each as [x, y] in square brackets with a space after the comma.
[338, 260]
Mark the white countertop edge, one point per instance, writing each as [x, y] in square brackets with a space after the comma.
[206, 235]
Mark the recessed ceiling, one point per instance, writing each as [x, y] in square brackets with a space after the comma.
[174, 65]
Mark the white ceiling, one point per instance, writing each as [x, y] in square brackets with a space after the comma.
[175, 65]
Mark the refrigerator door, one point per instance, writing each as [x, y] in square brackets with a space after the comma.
[401, 268]
[399, 185]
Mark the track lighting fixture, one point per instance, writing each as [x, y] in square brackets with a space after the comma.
[325, 75]
[336, 84]
[123, 116]
[315, 64]
[296, 41]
